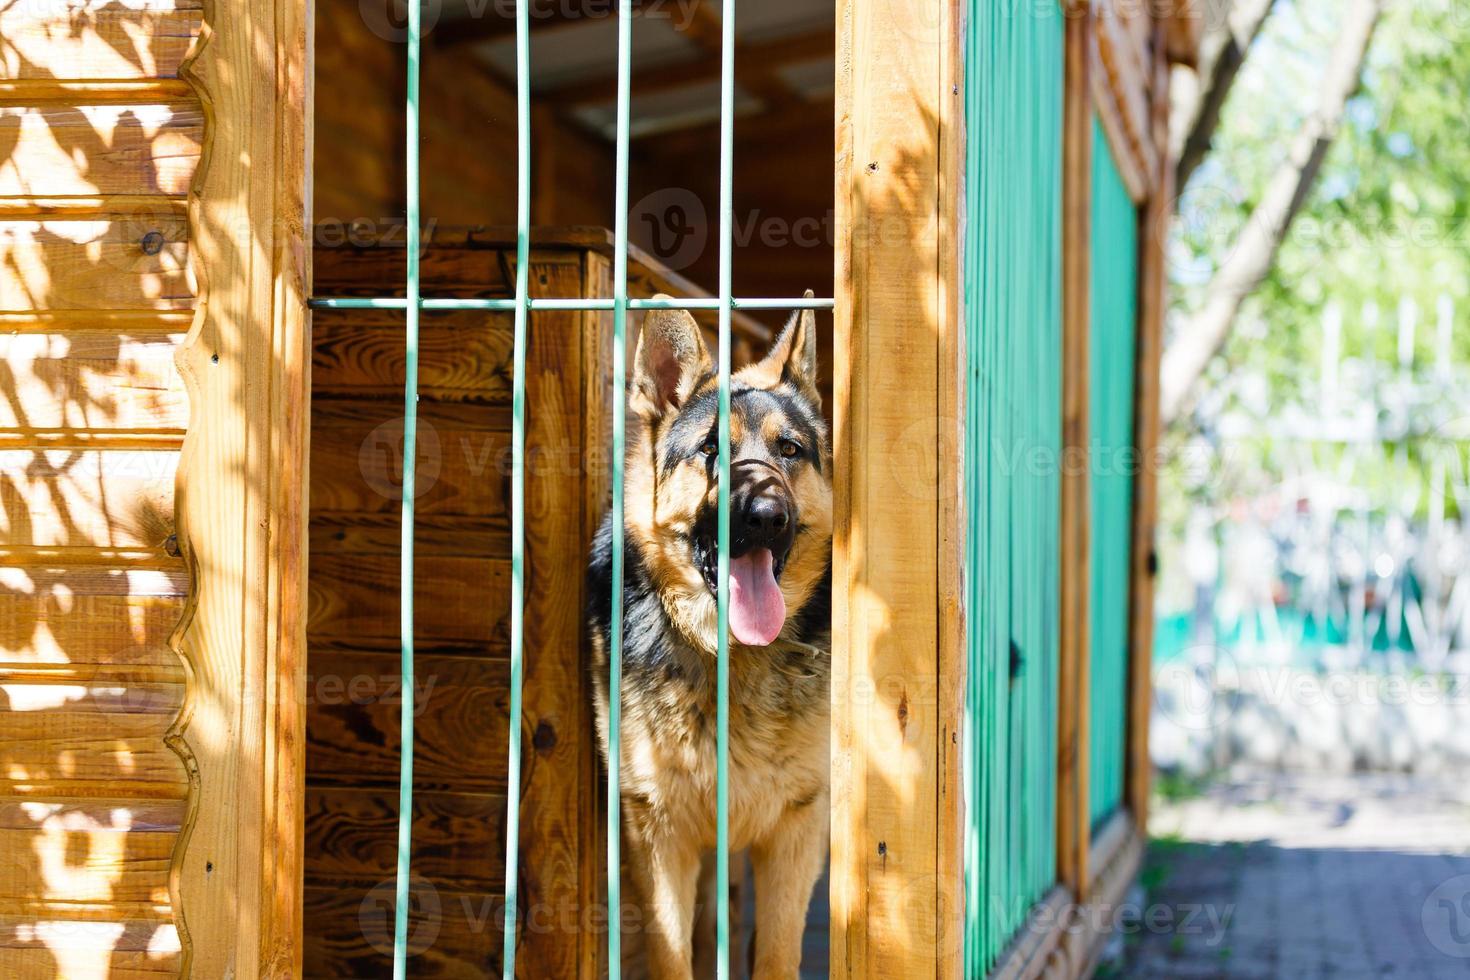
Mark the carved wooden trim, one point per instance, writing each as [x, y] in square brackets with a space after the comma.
[236, 875]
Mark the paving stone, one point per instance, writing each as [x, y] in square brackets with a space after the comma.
[1325, 877]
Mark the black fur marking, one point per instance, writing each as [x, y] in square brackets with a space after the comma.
[696, 424]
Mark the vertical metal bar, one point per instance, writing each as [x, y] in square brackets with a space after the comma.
[518, 481]
[722, 592]
[619, 385]
[410, 433]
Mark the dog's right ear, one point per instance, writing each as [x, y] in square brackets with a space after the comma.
[671, 359]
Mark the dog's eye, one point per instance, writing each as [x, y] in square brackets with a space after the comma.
[710, 447]
[790, 449]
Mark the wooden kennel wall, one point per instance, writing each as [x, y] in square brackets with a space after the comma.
[462, 603]
[900, 622]
[180, 793]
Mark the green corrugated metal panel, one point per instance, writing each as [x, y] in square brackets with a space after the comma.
[1113, 324]
[1013, 260]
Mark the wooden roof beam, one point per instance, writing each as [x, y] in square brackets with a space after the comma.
[497, 20]
[704, 28]
[752, 59]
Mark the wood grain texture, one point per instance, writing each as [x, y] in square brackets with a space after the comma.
[86, 499]
[140, 39]
[236, 876]
[77, 147]
[104, 264]
[91, 381]
[43, 942]
[98, 145]
[468, 127]
[1153, 307]
[462, 604]
[1074, 695]
[953, 497]
[453, 935]
[886, 884]
[459, 730]
[1122, 78]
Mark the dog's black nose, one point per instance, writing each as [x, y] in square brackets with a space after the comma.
[767, 516]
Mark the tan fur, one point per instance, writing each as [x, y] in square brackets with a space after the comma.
[779, 708]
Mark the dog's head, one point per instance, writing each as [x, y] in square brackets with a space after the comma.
[780, 478]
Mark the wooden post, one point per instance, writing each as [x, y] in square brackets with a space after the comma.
[1074, 696]
[241, 497]
[1153, 282]
[897, 640]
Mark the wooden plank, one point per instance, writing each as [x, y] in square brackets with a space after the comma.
[750, 57]
[557, 744]
[142, 39]
[462, 454]
[952, 381]
[886, 919]
[1153, 307]
[463, 356]
[87, 498]
[242, 498]
[80, 148]
[352, 836]
[65, 958]
[91, 381]
[73, 695]
[452, 935]
[1035, 948]
[1074, 694]
[57, 626]
[44, 942]
[478, 262]
[459, 728]
[1117, 854]
[94, 264]
[1121, 79]
[597, 392]
[89, 754]
[356, 596]
[91, 865]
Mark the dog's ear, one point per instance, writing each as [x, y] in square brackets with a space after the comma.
[793, 357]
[671, 359]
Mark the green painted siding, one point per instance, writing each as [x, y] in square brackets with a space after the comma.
[1113, 324]
[1012, 292]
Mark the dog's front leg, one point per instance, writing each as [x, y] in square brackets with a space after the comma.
[666, 872]
[787, 864]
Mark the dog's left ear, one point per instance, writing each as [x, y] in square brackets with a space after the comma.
[793, 357]
[670, 360]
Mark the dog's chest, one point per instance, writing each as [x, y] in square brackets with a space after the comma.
[779, 714]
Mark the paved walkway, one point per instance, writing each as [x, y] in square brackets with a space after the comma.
[1307, 878]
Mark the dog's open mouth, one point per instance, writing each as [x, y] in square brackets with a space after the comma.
[757, 608]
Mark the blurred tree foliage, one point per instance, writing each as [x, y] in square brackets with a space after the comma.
[1388, 220]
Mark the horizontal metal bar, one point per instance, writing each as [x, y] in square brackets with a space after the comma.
[574, 303]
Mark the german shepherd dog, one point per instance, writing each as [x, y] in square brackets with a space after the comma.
[780, 649]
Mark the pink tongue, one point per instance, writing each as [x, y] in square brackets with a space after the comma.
[757, 608]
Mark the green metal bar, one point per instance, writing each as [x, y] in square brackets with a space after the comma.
[619, 386]
[518, 482]
[410, 433]
[569, 303]
[722, 592]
